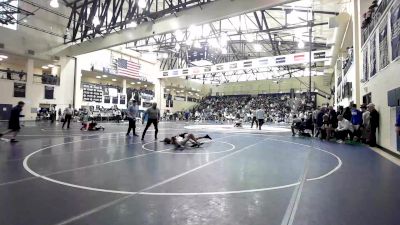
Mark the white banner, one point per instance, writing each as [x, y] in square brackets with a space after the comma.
[283, 60]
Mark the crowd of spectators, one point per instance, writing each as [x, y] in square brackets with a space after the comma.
[345, 123]
[277, 108]
[348, 123]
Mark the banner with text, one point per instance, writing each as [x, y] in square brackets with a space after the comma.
[283, 60]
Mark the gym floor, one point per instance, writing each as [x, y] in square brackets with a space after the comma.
[54, 176]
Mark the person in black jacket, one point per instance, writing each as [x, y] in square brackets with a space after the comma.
[13, 123]
[374, 124]
[347, 113]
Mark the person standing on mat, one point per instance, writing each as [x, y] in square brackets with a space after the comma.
[131, 114]
[260, 114]
[67, 116]
[254, 118]
[13, 122]
[153, 115]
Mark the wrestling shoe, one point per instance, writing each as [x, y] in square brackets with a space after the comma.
[207, 136]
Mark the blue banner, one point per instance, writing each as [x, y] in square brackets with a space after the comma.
[383, 45]
[395, 27]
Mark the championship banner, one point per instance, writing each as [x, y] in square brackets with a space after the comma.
[365, 64]
[107, 99]
[395, 28]
[48, 92]
[372, 55]
[115, 100]
[122, 99]
[383, 45]
[282, 60]
[19, 90]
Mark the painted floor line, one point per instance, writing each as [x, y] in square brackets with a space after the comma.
[97, 209]
[46, 177]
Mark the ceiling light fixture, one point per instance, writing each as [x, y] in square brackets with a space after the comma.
[96, 21]
[51, 65]
[132, 24]
[98, 77]
[45, 67]
[177, 47]
[224, 51]
[139, 82]
[54, 4]
[114, 79]
[3, 56]
[132, 82]
[301, 44]
[179, 35]
[105, 75]
[142, 4]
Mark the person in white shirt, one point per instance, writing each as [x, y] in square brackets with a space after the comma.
[260, 114]
[344, 129]
[67, 116]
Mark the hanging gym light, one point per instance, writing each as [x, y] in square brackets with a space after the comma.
[142, 4]
[54, 4]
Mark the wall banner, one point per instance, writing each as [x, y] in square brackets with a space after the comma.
[48, 92]
[107, 99]
[365, 64]
[395, 28]
[122, 99]
[383, 45]
[115, 100]
[292, 59]
[372, 55]
[19, 90]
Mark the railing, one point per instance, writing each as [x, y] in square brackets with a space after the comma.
[46, 79]
[12, 75]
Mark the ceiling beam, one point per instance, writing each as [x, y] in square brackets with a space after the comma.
[207, 13]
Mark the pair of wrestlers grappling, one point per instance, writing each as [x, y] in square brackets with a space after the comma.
[181, 140]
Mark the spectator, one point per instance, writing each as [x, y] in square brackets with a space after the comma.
[332, 117]
[347, 113]
[374, 124]
[344, 129]
[253, 118]
[21, 75]
[320, 121]
[326, 128]
[296, 125]
[314, 117]
[366, 129]
[9, 74]
[356, 120]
